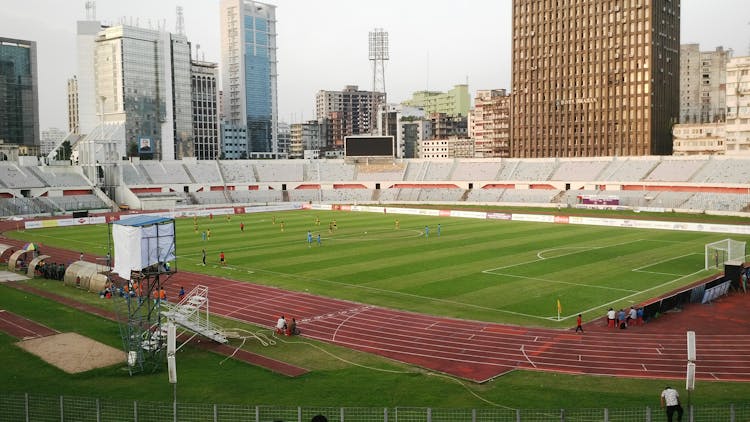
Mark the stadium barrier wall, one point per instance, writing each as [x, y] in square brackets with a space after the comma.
[38, 408]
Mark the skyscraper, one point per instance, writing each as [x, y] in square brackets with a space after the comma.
[19, 101]
[594, 78]
[143, 78]
[248, 72]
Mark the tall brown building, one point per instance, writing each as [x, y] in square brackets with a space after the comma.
[595, 77]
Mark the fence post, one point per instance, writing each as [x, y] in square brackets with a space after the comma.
[648, 414]
[216, 413]
[385, 414]
[690, 410]
[257, 414]
[518, 415]
[299, 413]
[473, 415]
[26, 405]
[62, 410]
[429, 414]
[341, 413]
[98, 411]
[135, 411]
[174, 411]
[731, 412]
[562, 415]
[606, 415]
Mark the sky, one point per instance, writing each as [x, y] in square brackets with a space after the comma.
[322, 45]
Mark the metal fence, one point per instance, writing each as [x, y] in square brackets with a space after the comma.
[27, 407]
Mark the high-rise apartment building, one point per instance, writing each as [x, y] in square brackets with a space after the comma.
[308, 136]
[205, 100]
[489, 123]
[248, 73]
[703, 78]
[738, 106]
[143, 79]
[349, 112]
[454, 102]
[19, 101]
[50, 137]
[73, 116]
[594, 78]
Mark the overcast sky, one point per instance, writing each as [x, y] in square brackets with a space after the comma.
[323, 44]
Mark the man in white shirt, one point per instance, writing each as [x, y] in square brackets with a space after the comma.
[671, 399]
[611, 318]
[281, 325]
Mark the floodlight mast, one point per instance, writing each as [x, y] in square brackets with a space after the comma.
[378, 55]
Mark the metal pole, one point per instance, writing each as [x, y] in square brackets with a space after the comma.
[174, 405]
[62, 412]
[26, 405]
[135, 411]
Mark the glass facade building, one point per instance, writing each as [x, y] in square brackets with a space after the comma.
[19, 104]
[248, 40]
[143, 78]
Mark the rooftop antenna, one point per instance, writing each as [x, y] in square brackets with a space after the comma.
[180, 29]
[90, 10]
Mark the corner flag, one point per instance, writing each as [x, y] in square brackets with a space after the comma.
[559, 309]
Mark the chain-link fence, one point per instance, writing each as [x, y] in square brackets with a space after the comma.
[27, 407]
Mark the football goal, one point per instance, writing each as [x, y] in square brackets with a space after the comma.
[718, 253]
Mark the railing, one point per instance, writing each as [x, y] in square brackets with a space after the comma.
[27, 407]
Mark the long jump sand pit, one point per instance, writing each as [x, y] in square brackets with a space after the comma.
[73, 352]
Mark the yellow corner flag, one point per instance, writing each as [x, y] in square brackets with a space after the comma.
[559, 308]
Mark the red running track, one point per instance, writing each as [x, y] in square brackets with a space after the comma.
[480, 351]
[475, 350]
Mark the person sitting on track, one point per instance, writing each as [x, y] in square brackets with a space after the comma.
[292, 329]
[281, 325]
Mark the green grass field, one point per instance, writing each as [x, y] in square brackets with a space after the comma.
[486, 270]
[500, 271]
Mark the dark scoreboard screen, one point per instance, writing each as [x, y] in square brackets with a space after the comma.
[368, 146]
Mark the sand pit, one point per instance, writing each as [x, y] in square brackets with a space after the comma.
[73, 352]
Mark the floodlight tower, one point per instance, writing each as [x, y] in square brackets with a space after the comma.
[378, 56]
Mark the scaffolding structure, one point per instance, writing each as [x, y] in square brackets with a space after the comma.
[141, 299]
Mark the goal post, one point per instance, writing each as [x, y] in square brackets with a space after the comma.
[718, 253]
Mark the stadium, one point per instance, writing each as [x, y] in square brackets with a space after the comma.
[454, 282]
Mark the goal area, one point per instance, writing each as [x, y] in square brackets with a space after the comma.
[723, 251]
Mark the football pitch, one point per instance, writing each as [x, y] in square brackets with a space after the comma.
[488, 270]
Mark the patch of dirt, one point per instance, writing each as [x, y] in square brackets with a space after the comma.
[73, 352]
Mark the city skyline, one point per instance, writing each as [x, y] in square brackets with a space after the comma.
[323, 45]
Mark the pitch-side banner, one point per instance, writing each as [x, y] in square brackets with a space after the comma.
[41, 224]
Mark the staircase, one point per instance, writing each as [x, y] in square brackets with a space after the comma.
[191, 313]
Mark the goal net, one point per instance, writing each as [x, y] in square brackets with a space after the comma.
[718, 253]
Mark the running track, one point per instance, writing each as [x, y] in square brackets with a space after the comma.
[472, 350]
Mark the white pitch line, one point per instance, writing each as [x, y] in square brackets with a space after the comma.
[644, 368]
[593, 286]
[656, 272]
[527, 356]
[604, 305]
[664, 260]
[560, 256]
